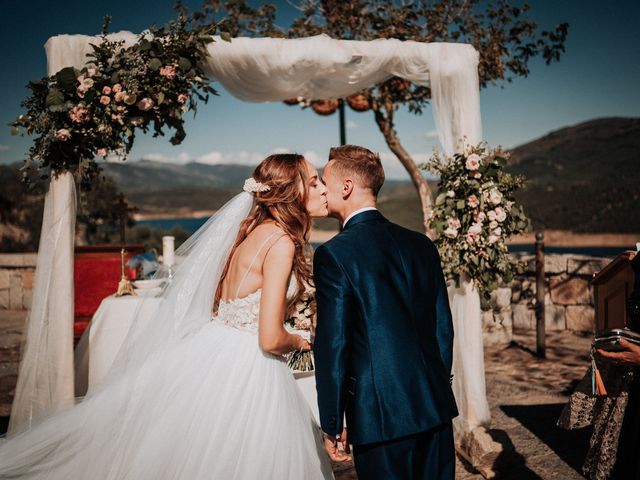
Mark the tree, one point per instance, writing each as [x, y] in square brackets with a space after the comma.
[506, 38]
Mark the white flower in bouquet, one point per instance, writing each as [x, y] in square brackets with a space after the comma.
[493, 224]
[475, 229]
[493, 238]
[495, 197]
[501, 215]
[473, 201]
[473, 162]
[479, 217]
[451, 193]
[454, 222]
[497, 231]
[451, 232]
[491, 214]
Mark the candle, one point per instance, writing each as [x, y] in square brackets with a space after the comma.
[167, 250]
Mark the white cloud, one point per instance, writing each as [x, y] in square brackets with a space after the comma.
[431, 135]
[394, 170]
[4, 148]
[315, 158]
[351, 124]
[280, 150]
[241, 158]
[158, 157]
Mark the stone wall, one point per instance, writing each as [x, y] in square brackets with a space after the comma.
[568, 299]
[17, 272]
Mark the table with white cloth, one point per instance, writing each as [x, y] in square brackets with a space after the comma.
[111, 324]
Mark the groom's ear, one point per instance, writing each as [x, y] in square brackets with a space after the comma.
[347, 188]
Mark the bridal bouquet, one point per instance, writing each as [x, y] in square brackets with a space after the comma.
[301, 321]
[78, 115]
[474, 215]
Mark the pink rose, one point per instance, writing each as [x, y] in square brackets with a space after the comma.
[117, 88]
[473, 162]
[476, 175]
[501, 215]
[116, 118]
[145, 104]
[475, 229]
[63, 134]
[130, 98]
[473, 201]
[119, 96]
[453, 222]
[492, 216]
[479, 217]
[168, 71]
[106, 90]
[104, 100]
[79, 114]
[471, 239]
[102, 152]
[183, 97]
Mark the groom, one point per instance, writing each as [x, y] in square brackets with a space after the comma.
[384, 336]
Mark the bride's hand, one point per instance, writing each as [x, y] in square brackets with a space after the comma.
[301, 344]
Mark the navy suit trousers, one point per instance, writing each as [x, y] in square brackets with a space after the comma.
[424, 456]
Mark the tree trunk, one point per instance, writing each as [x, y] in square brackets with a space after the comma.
[385, 123]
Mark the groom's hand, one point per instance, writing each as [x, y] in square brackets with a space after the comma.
[331, 447]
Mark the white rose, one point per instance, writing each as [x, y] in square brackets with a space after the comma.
[492, 215]
[475, 229]
[495, 197]
[63, 134]
[451, 194]
[497, 231]
[473, 162]
[453, 222]
[501, 215]
[451, 232]
[493, 225]
[481, 217]
[493, 238]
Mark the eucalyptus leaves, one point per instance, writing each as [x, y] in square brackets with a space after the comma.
[78, 115]
[474, 214]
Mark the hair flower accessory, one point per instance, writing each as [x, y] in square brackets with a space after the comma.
[252, 186]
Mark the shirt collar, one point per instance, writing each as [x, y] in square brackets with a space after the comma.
[365, 209]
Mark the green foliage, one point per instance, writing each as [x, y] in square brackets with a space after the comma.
[475, 213]
[77, 115]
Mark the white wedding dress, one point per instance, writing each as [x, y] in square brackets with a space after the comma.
[210, 405]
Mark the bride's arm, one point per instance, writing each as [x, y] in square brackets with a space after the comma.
[276, 271]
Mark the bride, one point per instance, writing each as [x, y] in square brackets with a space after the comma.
[202, 389]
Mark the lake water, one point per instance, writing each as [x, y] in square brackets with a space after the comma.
[190, 225]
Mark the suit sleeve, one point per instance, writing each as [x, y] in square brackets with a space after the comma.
[444, 322]
[336, 309]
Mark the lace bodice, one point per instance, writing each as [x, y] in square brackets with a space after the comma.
[242, 313]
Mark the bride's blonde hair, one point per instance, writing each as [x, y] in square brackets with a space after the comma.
[285, 202]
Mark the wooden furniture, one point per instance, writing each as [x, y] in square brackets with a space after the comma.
[612, 287]
[96, 274]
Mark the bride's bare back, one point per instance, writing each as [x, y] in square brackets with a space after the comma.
[245, 275]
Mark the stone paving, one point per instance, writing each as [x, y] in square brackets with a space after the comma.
[526, 395]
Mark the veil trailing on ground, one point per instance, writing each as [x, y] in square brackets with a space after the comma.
[185, 305]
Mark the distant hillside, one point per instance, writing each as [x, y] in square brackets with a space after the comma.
[147, 176]
[584, 178]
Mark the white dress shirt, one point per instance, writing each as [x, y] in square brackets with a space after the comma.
[365, 209]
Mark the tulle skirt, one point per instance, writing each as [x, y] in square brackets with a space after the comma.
[213, 407]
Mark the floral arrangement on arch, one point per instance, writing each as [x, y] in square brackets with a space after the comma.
[475, 213]
[79, 115]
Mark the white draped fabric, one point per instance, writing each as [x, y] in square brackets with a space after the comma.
[45, 379]
[267, 69]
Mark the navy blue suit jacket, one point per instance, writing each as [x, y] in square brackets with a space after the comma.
[384, 337]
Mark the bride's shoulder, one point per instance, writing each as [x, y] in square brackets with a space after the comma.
[275, 236]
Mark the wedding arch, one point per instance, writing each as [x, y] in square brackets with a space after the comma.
[262, 70]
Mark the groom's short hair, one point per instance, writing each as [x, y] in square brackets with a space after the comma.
[360, 162]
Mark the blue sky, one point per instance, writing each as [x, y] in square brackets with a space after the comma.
[596, 77]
